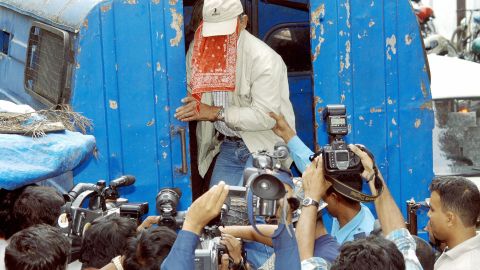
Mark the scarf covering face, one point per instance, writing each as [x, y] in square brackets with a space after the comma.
[213, 63]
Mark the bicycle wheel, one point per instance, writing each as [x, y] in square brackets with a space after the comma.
[459, 39]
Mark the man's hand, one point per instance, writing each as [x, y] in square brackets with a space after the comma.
[368, 171]
[225, 262]
[281, 128]
[205, 208]
[314, 183]
[234, 247]
[188, 112]
[148, 222]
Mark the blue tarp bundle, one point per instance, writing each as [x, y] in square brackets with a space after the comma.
[25, 160]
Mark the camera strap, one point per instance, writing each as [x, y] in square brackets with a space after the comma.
[354, 194]
[253, 222]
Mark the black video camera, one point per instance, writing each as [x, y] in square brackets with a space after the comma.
[338, 159]
[87, 202]
[166, 202]
[265, 179]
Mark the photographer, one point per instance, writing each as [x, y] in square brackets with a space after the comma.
[202, 210]
[351, 219]
[370, 253]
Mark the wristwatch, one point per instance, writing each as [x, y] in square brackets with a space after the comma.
[309, 201]
[221, 114]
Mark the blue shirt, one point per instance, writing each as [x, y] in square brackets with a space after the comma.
[300, 153]
[286, 249]
[359, 227]
[326, 247]
[182, 254]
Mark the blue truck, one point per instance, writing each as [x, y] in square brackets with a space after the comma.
[121, 63]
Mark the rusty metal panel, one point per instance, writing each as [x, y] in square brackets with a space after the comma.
[369, 56]
[130, 72]
[67, 15]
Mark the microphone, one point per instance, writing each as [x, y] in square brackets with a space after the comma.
[122, 181]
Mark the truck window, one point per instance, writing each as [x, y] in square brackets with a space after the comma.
[5, 38]
[292, 42]
[47, 69]
[456, 149]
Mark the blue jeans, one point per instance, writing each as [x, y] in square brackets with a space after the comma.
[234, 156]
[231, 162]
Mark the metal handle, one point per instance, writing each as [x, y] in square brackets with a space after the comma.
[183, 139]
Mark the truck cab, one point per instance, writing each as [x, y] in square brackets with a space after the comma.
[121, 63]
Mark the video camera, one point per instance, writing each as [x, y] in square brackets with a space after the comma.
[266, 178]
[87, 202]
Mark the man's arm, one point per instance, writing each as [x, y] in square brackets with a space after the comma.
[387, 210]
[315, 186]
[299, 152]
[249, 233]
[391, 219]
[205, 208]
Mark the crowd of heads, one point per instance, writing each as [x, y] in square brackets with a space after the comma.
[28, 221]
[29, 215]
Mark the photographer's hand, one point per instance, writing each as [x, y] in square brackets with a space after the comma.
[234, 247]
[368, 164]
[281, 128]
[313, 180]
[315, 187]
[205, 208]
[148, 222]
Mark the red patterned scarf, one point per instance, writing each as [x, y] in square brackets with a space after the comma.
[213, 63]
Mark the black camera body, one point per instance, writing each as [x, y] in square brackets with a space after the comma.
[338, 159]
[166, 203]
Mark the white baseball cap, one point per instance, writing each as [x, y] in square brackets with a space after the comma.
[220, 17]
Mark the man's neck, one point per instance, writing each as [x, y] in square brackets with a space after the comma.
[461, 236]
[347, 214]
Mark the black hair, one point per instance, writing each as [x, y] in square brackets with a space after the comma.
[105, 239]
[35, 205]
[352, 180]
[370, 253]
[7, 201]
[459, 195]
[39, 247]
[425, 253]
[148, 250]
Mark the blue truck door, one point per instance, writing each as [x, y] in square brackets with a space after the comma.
[136, 72]
[369, 56]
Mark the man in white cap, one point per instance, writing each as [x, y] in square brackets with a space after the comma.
[234, 80]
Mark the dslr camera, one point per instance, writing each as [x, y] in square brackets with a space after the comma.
[338, 159]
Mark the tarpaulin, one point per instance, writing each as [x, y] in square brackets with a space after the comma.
[25, 160]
